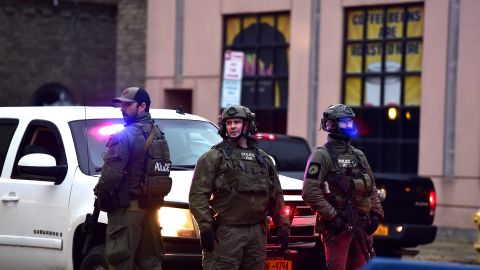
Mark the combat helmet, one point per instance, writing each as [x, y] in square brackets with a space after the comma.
[237, 111]
[337, 113]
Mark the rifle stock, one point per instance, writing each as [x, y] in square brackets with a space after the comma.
[356, 225]
[89, 226]
[361, 235]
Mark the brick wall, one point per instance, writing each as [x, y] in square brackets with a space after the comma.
[69, 43]
[131, 42]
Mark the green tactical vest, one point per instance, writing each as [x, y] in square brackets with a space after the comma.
[348, 180]
[242, 187]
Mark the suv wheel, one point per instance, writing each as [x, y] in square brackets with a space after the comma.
[95, 259]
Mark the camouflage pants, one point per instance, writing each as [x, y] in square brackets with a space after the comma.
[343, 251]
[133, 239]
[238, 247]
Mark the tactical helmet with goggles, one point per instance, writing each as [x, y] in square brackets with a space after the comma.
[342, 120]
[237, 111]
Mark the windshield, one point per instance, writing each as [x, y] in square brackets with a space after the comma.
[187, 140]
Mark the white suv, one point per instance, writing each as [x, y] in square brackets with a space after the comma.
[50, 161]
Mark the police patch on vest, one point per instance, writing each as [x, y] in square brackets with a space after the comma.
[345, 163]
[247, 155]
[313, 170]
[162, 167]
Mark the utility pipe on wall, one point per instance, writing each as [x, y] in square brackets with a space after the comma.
[451, 90]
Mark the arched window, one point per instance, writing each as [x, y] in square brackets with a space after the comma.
[264, 39]
[52, 94]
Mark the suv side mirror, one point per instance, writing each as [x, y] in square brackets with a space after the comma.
[41, 166]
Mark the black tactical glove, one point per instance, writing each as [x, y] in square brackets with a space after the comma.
[282, 239]
[207, 240]
[372, 224]
[336, 224]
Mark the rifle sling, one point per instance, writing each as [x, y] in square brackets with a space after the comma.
[149, 140]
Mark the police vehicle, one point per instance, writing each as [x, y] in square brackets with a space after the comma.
[50, 161]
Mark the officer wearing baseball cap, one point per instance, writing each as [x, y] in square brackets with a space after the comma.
[133, 239]
[128, 97]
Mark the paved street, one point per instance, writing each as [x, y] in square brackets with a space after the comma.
[448, 251]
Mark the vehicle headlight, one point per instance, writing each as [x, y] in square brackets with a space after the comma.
[176, 222]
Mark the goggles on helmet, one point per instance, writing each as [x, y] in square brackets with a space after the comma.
[346, 122]
[347, 127]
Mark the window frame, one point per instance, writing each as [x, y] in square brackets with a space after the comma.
[27, 137]
[13, 122]
[267, 113]
[363, 75]
[407, 160]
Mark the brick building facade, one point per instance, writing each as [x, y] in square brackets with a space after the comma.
[70, 52]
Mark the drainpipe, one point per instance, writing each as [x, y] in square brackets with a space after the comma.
[179, 21]
[312, 127]
[451, 90]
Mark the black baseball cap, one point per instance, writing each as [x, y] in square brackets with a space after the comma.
[133, 94]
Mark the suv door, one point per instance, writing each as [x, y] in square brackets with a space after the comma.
[34, 205]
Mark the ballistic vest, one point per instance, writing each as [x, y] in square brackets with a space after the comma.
[243, 186]
[349, 179]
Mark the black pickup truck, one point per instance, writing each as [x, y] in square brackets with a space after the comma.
[409, 201]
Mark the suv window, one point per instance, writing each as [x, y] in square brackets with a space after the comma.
[8, 127]
[40, 137]
[187, 140]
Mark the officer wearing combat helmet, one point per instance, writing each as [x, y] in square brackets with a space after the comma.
[234, 187]
[340, 188]
[133, 238]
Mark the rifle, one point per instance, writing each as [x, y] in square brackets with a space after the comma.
[352, 215]
[357, 227]
[88, 228]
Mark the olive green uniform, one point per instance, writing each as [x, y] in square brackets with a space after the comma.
[322, 192]
[133, 233]
[242, 186]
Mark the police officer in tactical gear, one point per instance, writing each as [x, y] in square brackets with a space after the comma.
[234, 187]
[340, 188]
[133, 239]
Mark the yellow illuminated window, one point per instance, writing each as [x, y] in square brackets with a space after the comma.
[375, 23]
[414, 53]
[415, 22]
[263, 41]
[383, 46]
[412, 91]
[354, 58]
[352, 91]
[355, 25]
[382, 66]
[233, 28]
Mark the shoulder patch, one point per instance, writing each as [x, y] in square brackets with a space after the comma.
[313, 170]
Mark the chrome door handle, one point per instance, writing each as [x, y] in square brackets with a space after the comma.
[11, 197]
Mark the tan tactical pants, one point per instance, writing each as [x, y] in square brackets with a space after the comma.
[343, 251]
[238, 247]
[133, 239]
